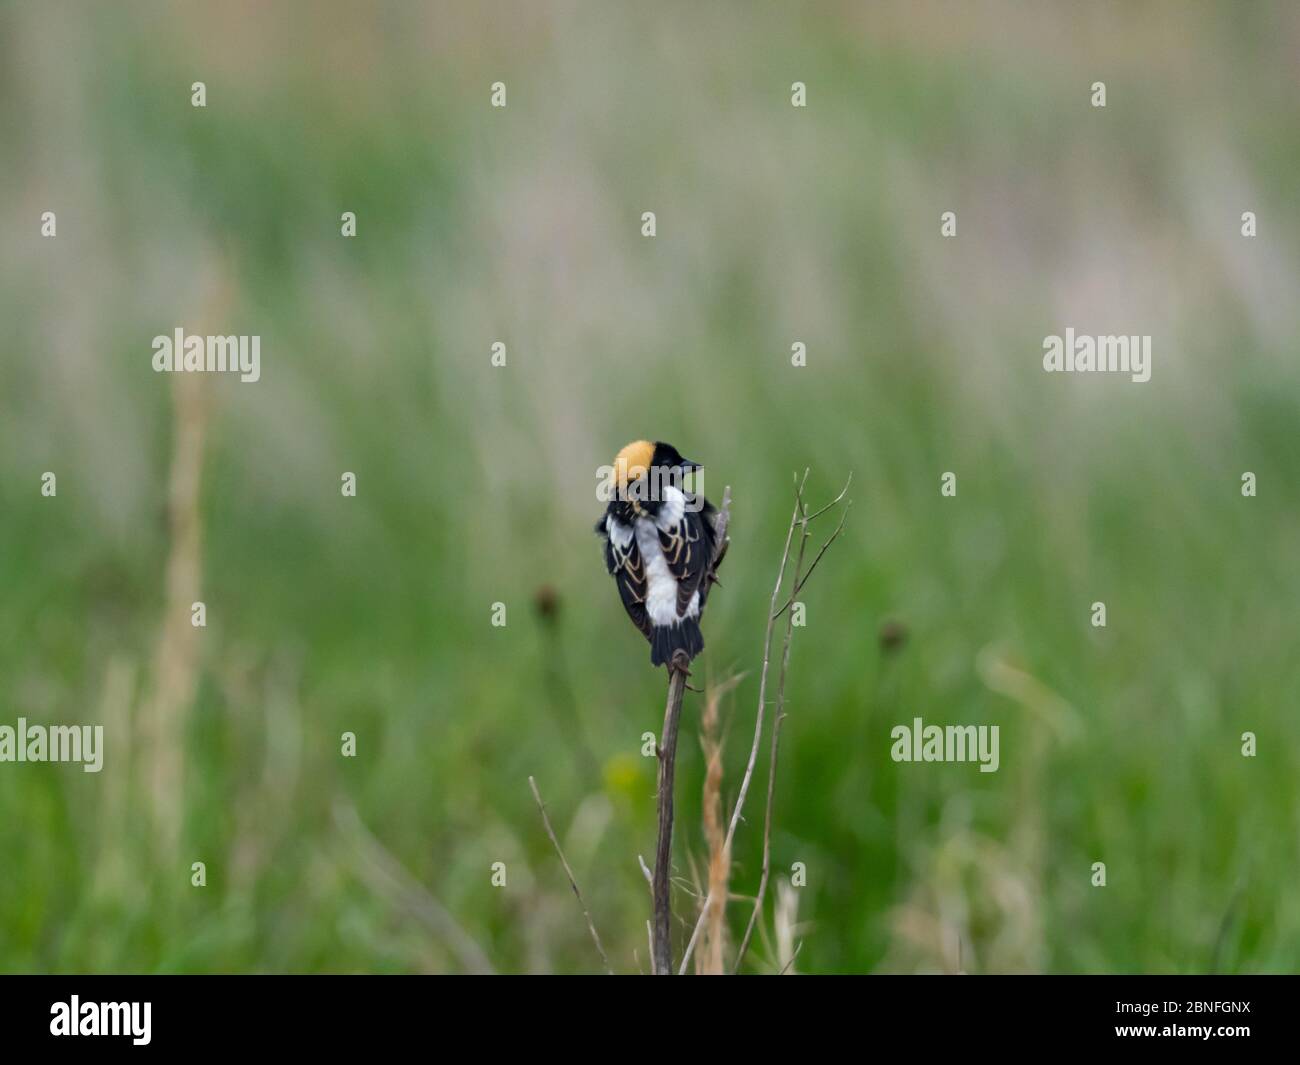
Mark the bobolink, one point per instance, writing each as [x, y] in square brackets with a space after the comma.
[659, 546]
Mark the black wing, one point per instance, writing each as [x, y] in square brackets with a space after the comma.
[625, 566]
[688, 550]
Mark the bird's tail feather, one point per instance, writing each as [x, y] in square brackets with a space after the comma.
[667, 640]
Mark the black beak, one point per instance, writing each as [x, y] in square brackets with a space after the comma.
[687, 465]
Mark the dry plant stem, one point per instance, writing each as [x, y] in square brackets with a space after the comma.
[709, 956]
[176, 660]
[573, 883]
[662, 888]
[778, 713]
[758, 723]
[808, 520]
[799, 519]
[661, 945]
[800, 577]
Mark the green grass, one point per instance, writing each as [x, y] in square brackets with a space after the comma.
[476, 485]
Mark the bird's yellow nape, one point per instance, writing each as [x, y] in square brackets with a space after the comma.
[633, 461]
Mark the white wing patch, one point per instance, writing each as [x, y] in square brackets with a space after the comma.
[618, 532]
[661, 585]
[673, 509]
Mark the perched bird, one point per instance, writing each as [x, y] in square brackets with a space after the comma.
[659, 547]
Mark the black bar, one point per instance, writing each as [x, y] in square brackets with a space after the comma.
[342, 1014]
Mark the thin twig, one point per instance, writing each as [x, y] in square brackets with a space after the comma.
[798, 584]
[573, 883]
[778, 716]
[800, 578]
[844, 515]
[843, 492]
[758, 720]
[661, 887]
[799, 519]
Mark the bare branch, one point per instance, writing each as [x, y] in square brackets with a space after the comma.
[573, 883]
[844, 517]
[678, 670]
[762, 705]
[777, 718]
[799, 519]
[843, 492]
[798, 586]
[661, 887]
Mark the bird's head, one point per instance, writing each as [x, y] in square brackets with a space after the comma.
[634, 463]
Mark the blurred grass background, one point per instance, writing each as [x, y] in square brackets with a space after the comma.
[475, 484]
